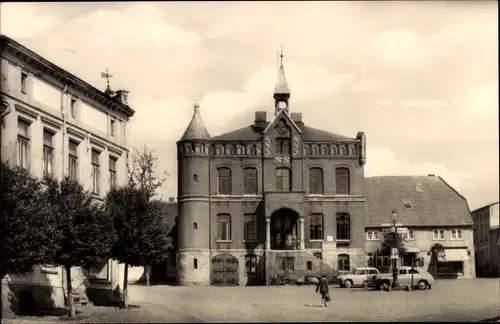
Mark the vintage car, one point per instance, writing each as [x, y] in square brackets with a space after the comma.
[421, 278]
[357, 277]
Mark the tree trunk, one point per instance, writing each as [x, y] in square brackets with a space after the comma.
[70, 292]
[125, 287]
[147, 270]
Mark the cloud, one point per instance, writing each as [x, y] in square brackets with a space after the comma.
[382, 161]
[422, 103]
[21, 20]
[480, 102]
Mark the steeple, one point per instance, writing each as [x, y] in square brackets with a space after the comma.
[281, 92]
[196, 129]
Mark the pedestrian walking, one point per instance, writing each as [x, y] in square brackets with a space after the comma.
[322, 287]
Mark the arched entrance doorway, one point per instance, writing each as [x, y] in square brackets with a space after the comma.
[284, 230]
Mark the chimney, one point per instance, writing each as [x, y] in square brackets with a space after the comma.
[431, 175]
[171, 200]
[296, 117]
[122, 96]
[260, 117]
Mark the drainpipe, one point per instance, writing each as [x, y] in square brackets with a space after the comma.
[65, 90]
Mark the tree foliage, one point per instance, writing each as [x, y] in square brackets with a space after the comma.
[85, 233]
[390, 240]
[141, 232]
[143, 171]
[28, 234]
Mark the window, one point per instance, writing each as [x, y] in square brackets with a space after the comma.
[343, 227]
[282, 179]
[456, 234]
[372, 235]
[48, 152]
[250, 181]
[342, 181]
[411, 235]
[402, 271]
[95, 172]
[112, 127]
[195, 225]
[288, 263]
[224, 227]
[438, 235]
[414, 271]
[369, 257]
[282, 145]
[195, 263]
[251, 264]
[309, 265]
[112, 171]
[318, 255]
[73, 160]
[316, 227]
[316, 181]
[224, 181]
[250, 228]
[373, 271]
[343, 262]
[195, 178]
[73, 107]
[24, 82]
[23, 144]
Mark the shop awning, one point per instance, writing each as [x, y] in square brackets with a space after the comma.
[455, 255]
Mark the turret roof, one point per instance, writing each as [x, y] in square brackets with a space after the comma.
[196, 129]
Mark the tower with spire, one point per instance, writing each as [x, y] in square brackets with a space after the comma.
[193, 190]
[281, 92]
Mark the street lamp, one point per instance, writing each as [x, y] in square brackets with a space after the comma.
[394, 218]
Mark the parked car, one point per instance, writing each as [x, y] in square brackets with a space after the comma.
[357, 277]
[421, 278]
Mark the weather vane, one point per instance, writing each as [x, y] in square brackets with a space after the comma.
[107, 76]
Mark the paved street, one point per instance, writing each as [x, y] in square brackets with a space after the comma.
[449, 300]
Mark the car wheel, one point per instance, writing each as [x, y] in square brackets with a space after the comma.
[385, 286]
[348, 283]
[422, 284]
[365, 284]
[287, 281]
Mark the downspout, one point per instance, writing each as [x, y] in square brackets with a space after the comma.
[210, 213]
[62, 162]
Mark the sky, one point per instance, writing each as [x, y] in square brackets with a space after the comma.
[419, 78]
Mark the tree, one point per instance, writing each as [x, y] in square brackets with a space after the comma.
[142, 171]
[390, 240]
[26, 221]
[143, 175]
[436, 251]
[141, 232]
[84, 232]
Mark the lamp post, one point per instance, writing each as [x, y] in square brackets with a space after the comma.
[394, 218]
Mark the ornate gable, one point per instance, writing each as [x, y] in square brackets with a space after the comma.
[279, 119]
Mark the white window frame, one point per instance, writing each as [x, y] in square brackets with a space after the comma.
[438, 236]
[372, 236]
[454, 235]
[412, 236]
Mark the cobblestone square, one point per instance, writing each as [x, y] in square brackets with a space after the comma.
[449, 300]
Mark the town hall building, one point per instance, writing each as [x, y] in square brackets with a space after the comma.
[276, 196]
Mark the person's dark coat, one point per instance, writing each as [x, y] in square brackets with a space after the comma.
[322, 286]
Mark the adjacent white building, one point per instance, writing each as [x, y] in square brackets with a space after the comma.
[57, 123]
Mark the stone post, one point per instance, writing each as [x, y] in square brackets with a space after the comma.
[301, 224]
[268, 234]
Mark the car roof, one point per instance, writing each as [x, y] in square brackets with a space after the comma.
[365, 268]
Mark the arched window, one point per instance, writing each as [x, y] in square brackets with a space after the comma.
[343, 262]
[195, 178]
[250, 181]
[195, 263]
[195, 225]
[223, 227]
[342, 181]
[224, 181]
[283, 179]
[343, 227]
[316, 181]
[316, 227]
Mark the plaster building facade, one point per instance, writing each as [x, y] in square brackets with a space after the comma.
[277, 196]
[487, 240]
[58, 124]
[430, 211]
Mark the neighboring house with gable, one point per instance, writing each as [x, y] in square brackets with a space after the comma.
[432, 211]
[487, 240]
